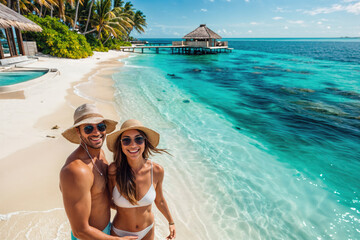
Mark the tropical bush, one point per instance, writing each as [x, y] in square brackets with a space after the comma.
[57, 40]
[109, 21]
[115, 44]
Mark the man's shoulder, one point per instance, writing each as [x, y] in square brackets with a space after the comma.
[75, 169]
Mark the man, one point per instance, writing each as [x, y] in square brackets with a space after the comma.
[83, 178]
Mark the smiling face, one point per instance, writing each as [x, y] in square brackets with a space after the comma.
[134, 150]
[94, 139]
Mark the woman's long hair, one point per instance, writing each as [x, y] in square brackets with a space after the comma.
[124, 174]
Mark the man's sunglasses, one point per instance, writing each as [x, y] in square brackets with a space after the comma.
[138, 140]
[90, 128]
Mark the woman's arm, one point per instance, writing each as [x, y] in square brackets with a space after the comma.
[160, 201]
[111, 182]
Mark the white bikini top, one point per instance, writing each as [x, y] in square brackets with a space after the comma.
[148, 198]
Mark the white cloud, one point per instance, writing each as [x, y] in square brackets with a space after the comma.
[355, 8]
[254, 23]
[277, 18]
[250, 31]
[328, 27]
[352, 8]
[286, 27]
[280, 9]
[333, 8]
[296, 22]
[203, 10]
[319, 22]
[224, 32]
[247, 0]
[211, 0]
[176, 33]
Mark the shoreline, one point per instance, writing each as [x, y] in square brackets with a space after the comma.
[33, 153]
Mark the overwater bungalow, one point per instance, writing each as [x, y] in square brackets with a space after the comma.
[11, 41]
[202, 37]
[200, 41]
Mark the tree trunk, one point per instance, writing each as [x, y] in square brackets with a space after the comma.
[84, 33]
[40, 10]
[51, 12]
[128, 35]
[76, 14]
[9, 3]
[18, 5]
[99, 35]
[107, 39]
[88, 20]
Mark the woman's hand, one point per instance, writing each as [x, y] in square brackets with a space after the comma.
[172, 234]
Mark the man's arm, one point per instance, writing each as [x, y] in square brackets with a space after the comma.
[76, 182]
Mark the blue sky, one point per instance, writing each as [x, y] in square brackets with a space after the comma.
[251, 18]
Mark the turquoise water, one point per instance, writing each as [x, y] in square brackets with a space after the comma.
[10, 78]
[266, 140]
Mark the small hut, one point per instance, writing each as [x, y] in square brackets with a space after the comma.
[11, 25]
[203, 37]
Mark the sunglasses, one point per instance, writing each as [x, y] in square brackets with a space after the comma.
[90, 128]
[138, 140]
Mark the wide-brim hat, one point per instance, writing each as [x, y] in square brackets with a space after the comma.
[87, 114]
[152, 136]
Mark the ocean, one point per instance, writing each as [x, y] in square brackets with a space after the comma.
[265, 141]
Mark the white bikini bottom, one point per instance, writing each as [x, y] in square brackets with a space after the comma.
[140, 234]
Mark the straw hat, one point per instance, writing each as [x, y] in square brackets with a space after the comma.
[152, 136]
[87, 114]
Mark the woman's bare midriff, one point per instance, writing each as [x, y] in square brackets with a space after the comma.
[133, 219]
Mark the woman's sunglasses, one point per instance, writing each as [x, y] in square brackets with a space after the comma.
[90, 128]
[138, 140]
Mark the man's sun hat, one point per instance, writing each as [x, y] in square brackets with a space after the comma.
[152, 136]
[87, 114]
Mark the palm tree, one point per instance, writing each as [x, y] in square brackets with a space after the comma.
[139, 20]
[76, 12]
[109, 22]
[118, 3]
[42, 3]
[21, 6]
[61, 8]
[128, 8]
[89, 15]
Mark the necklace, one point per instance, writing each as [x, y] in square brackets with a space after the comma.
[92, 160]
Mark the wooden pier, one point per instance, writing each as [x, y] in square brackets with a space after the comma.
[180, 49]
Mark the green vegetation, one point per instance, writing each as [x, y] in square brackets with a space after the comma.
[56, 39]
[75, 28]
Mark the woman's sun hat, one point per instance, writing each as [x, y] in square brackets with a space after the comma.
[152, 136]
[87, 114]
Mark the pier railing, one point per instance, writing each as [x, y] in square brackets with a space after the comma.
[138, 42]
[221, 44]
[204, 44]
[178, 43]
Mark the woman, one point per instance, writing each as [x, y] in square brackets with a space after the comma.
[135, 182]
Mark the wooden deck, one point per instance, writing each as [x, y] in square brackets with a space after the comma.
[180, 49]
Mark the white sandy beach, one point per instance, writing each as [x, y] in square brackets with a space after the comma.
[32, 153]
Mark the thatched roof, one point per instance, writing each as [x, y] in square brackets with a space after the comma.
[202, 32]
[9, 17]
